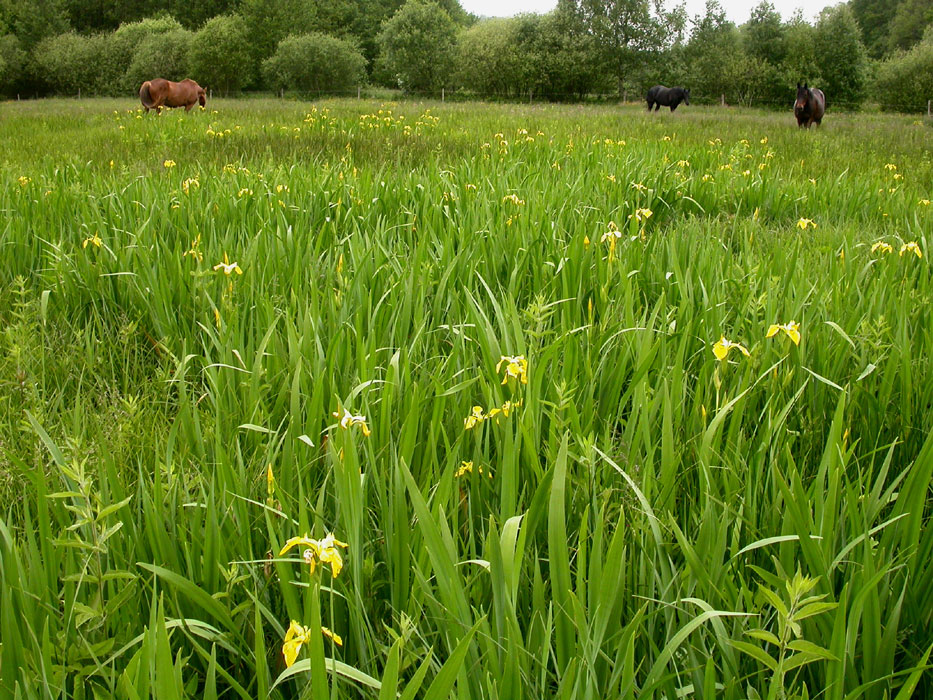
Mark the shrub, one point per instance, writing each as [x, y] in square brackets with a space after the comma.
[220, 55]
[904, 82]
[161, 56]
[841, 57]
[418, 44]
[122, 45]
[314, 63]
[488, 60]
[70, 62]
[12, 61]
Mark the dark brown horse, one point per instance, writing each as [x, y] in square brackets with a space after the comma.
[159, 93]
[810, 105]
[659, 96]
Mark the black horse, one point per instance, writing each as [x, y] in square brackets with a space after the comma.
[810, 105]
[659, 96]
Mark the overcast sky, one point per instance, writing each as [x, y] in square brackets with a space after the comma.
[737, 10]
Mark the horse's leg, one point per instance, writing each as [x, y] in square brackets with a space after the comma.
[650, 105]
[657, 107]
[189, 106]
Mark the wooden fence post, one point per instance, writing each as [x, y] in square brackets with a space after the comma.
[930, 108]
[722, 100]
[357, 92]
[442, 94]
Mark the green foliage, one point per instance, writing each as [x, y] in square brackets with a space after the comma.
[904, 81]
[33, 20]
[270, 21]
[489, 60]
[418, 44]
[873, 18]
[220, 55]
[315, 63]
[164, 55]
[121, 48]
[909, 23]
[764, 34]
[70, 62]
[842, 60]
[12, 62]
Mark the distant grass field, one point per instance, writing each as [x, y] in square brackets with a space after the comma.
[480, 344]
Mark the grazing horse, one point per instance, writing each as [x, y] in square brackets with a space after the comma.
[660, 95]
[159, 93]
[810, 105]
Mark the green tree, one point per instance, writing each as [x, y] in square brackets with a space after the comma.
[418, 44]
[161, 56]
[270, 21]
[566, 60]
[315, 63]
[711, 54]
[122, 45]
[488, 60]
[626, 31]
[12, 62]
[909, 22]
[764, 34]
[841, 57]
[904, 81]
[70, 62]
[873, 17]
[800, 63]
[33, 20]
[220, 55]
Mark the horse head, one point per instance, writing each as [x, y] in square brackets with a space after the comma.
[803, 98]
[686, 97]
[202, 97]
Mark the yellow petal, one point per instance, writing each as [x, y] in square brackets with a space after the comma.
[772, 330]
[297, 541]
[720, 350]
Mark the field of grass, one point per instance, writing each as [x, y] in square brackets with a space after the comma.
[197, 310]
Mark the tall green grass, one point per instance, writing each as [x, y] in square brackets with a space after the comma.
[647, 521]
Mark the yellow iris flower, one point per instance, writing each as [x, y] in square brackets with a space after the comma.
[804, 223]
[475, 418]
[348, 420]
[228, 267]
[94, 240]
[722, 347]
[337, 639]
[169, 163]
[295, 637]
[319, 552]
[882, 247]
[515, 366]
[912, 247]
[791, 329]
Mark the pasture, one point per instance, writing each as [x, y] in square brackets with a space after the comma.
[480, 344]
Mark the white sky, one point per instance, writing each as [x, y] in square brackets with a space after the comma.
[737, 10]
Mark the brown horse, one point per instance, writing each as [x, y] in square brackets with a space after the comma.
[810, 105]
[159, 93]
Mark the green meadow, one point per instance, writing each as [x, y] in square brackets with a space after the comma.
[602, 404]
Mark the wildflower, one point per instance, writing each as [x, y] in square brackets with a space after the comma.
[882, 247]
[890, 166]
[515, 366]
[763, 141]
[319, 552]
[195, 250]
[475, 418]
[93, 240]
[168, 163]
[513, 198]
[228, 267]
[641, 214]
[611, 178]
[189, 183]
[707, 178]
[722, 347]
[245, 192]
[911, 247]
[281, 188]
[333, 636]
[803, 223]
[467, 468]
[111, 164]
[471, 187]
[505, 409]
[611, 233]
[295, 637]
[230, 169]
[791, 329]
[23, 180]
[638, 186]
[683, 163]
[348, 420]
[270, 485]
[923, 202]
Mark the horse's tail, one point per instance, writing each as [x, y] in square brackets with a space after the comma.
[145, 97]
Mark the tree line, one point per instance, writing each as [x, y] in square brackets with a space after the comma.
[879, 50]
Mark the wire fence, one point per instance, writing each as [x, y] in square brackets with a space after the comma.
[628, 97]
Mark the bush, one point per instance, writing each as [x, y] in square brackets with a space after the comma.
[161, 56]
[220, 55]
[70, 62]
[122, 45]
[904, 82]
[12, 61]
[314, 63]
[841, 57]
[418, 44]
[488, 60]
